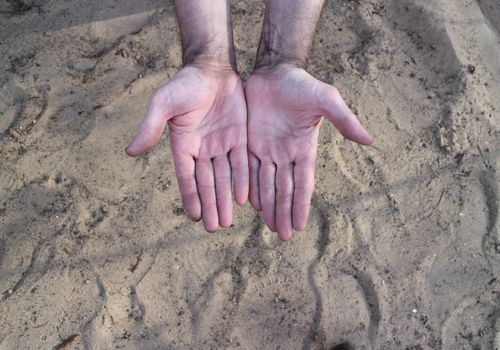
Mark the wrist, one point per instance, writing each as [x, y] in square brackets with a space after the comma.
[275, 51]
[213, 67]
[271, 59]
[276, 68]
[222, 58]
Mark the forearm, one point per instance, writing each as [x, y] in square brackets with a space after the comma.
[206, 32]
[288, 32]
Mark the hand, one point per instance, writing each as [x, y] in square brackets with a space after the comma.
[285, 105]
[206, 113]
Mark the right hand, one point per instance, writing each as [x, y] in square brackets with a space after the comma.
[205, 108]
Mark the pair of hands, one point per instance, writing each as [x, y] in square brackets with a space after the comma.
[259, 139]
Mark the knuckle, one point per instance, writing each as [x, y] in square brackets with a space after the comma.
[205, 188]
[161, 97]
[186, 180]
[224, 197]
[334, 91]
[330, 92]
[267, 188]
[241, 169]
[189, 197]
[305, 187]
[223, 180]
[156, 98]
[284, 192]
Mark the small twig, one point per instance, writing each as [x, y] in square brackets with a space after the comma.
[435, 207]
[440, 198]
[137, 31]
[486, 163]
[134, 267]
[66, 342]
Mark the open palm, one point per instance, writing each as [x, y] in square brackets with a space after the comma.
[285, 106]
[206, 114]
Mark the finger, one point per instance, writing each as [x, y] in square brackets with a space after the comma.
[185, 172]
[239, 167]
[254, 165]
[284, 197]
[152, 125]
[267, 192]
[206, 190]
[303, 177]
[337, 112]
[222, 172]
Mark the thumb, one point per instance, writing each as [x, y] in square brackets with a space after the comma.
[155, 120]
[337, 112]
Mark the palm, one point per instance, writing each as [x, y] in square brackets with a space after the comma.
[206, 114]
[281, 126]
[285, 108]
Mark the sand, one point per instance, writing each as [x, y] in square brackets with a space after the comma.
[402, 250]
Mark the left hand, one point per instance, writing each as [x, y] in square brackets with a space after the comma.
[285, 105]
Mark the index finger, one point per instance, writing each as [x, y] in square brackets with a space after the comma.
[303, 177]
[186, 179]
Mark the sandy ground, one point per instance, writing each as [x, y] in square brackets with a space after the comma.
[402, 250]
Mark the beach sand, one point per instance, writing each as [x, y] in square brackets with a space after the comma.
[402, 250]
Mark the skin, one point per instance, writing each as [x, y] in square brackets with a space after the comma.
[204, 107]
[209, 128]
[285, 107]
